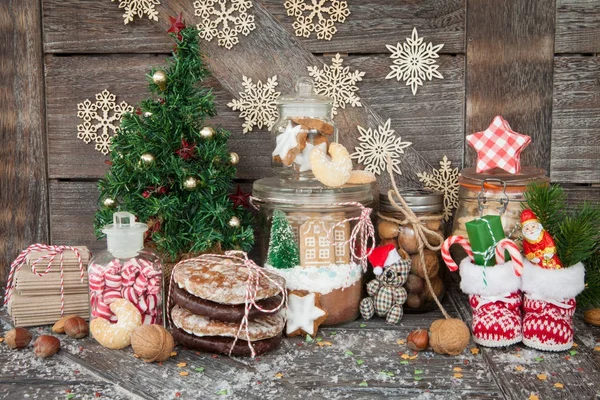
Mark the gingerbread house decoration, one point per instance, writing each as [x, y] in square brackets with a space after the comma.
[316, 249]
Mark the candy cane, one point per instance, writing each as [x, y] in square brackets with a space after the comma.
[515, 254]
[446, 250]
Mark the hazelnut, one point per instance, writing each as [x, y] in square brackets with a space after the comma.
[438, 287]
[414, 301]
[17, 338]
[407, 239]
[152, 343]
[59, 326]
[387, 229]
[414, 284]
[76, 327]
[45, 346]
[434, 224]
[418, 340]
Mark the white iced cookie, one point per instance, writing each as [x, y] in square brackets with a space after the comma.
[334, 171]
[358, 177]
[117, 336]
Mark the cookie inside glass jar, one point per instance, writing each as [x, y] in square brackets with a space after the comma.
[304, 124]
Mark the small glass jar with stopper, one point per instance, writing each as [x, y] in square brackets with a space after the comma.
[304, 123]
[125, 270]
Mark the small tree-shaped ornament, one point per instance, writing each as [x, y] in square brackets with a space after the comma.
[283, 250]
[171, 170]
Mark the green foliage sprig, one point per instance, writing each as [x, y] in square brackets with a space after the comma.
[185, 220]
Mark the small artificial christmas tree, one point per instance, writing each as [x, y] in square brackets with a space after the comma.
[171, 170]
[283, 250]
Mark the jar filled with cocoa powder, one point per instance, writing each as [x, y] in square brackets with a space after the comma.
[422, 202]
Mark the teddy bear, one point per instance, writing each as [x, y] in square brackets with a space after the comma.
[386, 294]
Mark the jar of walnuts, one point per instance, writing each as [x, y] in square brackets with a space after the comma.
[422, 202]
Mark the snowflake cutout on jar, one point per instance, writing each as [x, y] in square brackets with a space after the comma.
[376, 145]
[225, 20]
[305, 14]
[257, 103]
[98, 111]
[139, 8]
[414, 61]
[337, 83]
[443, 180]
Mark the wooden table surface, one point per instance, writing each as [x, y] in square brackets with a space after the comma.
[359, 360]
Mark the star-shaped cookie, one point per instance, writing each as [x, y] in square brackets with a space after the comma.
[304, 313]
[287, 140]
[498, 146]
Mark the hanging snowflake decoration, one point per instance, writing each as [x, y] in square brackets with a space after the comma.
[139, 8]
[443, 180]
[414, 61]
[225, 20]
[305, 14]
[97, 124]
[257, 103]
[337, 83]
[376, 145]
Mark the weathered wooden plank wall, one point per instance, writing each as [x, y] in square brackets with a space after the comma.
[23, 184]
[502, 61]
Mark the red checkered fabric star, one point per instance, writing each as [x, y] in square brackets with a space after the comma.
[498, 146]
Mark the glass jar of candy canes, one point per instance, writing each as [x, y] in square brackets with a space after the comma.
[126, 271]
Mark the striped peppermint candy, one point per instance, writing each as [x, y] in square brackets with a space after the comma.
[110, 296]
[447, 257]
[140, 285]
[112, 281]
[515, 254]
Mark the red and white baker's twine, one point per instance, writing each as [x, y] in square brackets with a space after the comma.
[363, 230]
[52, 252]
[515, 254]
[255, 273]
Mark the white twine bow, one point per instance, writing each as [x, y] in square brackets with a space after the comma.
[557, 303]
[51, 253]
[255, 273]
[503, 297]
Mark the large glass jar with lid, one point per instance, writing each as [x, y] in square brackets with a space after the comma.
[304, 123]
[494, 192]
[125, 270]
[305, 237]
[423, 202]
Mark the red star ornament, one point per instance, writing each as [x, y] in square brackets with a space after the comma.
[187, 150]
[240, 198]
[498, 147]
[177, 25]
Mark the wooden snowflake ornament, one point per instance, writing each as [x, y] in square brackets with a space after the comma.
[224, 20]
[257, 103]
[317, 16]
[139, 8]
[98, 125]
[376, 144]
[414, 61]
[443, 180]
[338, 83]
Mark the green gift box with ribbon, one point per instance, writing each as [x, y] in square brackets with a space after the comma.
[484, 233]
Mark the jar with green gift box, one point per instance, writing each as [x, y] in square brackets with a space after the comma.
[494, 192]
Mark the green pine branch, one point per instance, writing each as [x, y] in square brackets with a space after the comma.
[590, 297]
[190, 220]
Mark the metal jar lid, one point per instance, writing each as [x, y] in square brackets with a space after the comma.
[419, 200]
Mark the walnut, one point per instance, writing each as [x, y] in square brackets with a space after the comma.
[152, 343]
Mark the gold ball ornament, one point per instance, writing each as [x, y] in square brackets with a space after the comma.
[190, 183]
[147, 159]
[449, 336]
[234, 222]
[235, 158]
[109, 202]
[160, 78]
[207, 132]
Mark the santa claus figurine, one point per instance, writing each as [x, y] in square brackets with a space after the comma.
[538, 245]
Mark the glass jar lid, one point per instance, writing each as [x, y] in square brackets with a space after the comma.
[419, 200]
[309, 193]
[304, 102]
[496, 178]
